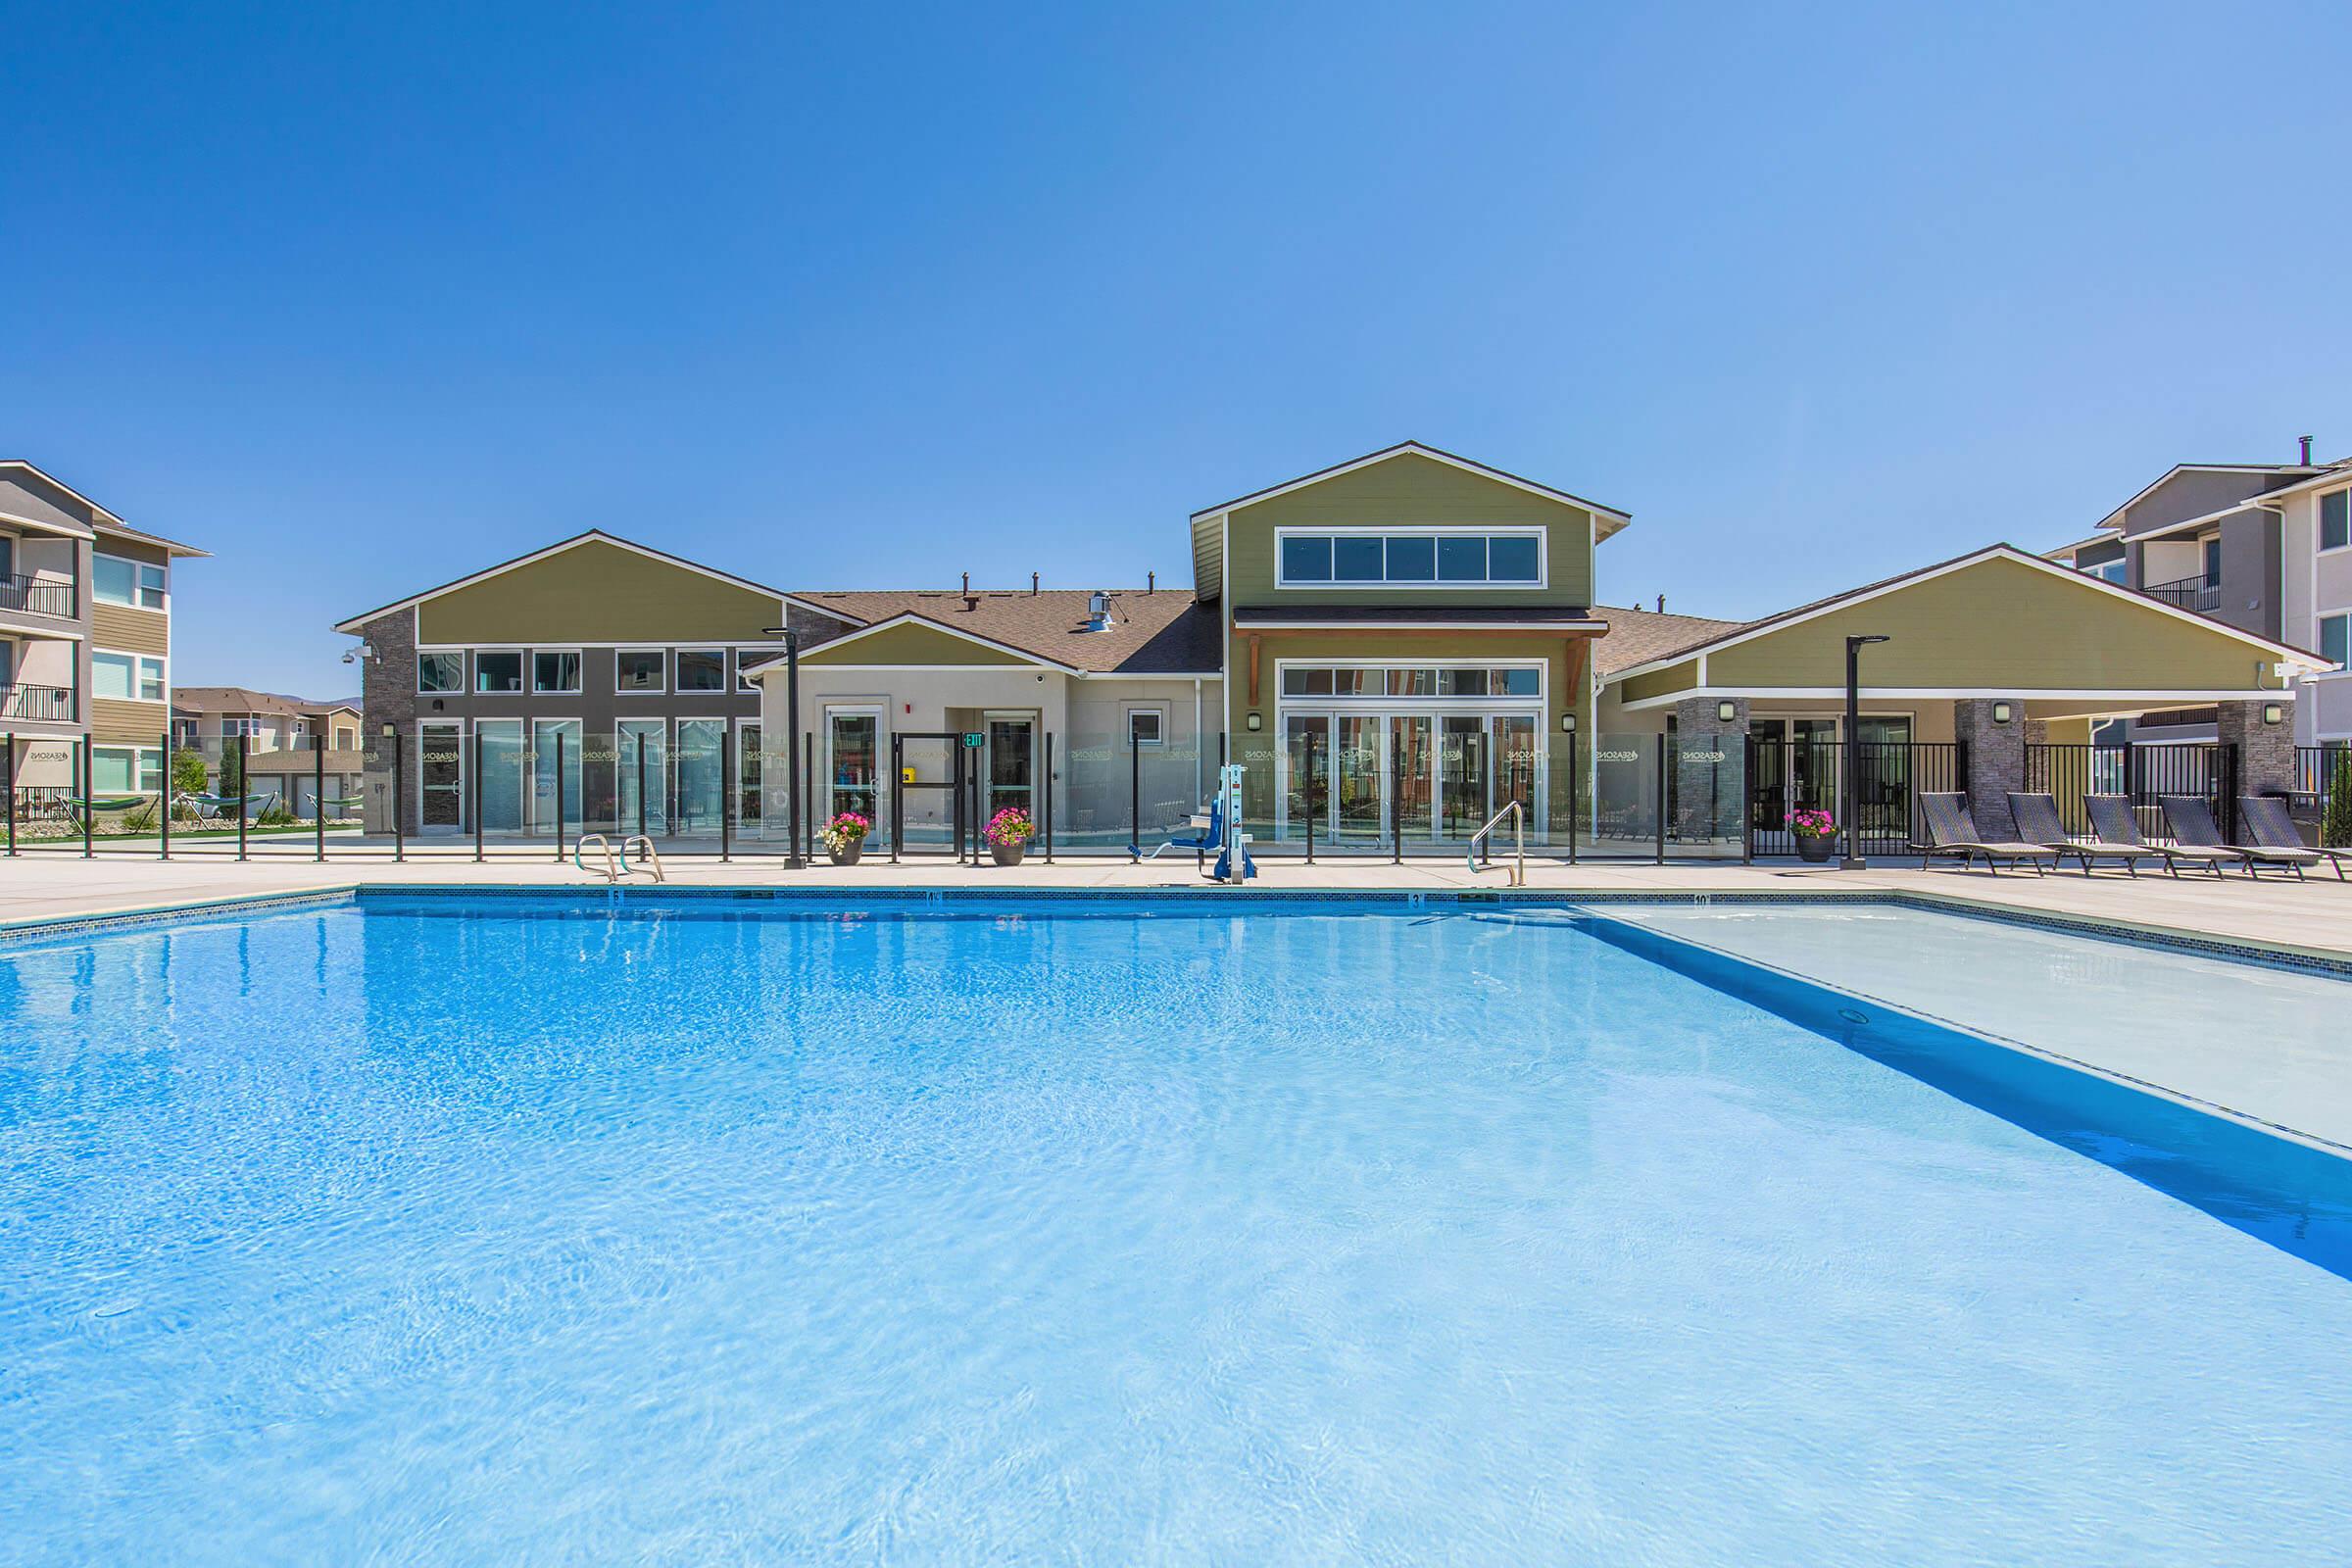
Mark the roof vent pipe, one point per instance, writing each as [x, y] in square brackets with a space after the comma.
[968, 584]
[1033, 585]
[1661, 604]
[1150, 583]
[1098, 612]
[2305, 443]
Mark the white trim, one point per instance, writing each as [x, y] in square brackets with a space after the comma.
[591, 536]
[662, 690]
[1158, 710]
[2316, 478]
[1245, 627]
[38, 633]
[522, 673]
[579, 670]
[2023, 694]
[138, 566]
[1542, 581]
[1416, 449]
[910, 617]
[698, 644]
[69, 529]
[459, 690]
[1770, 624]
[134, 657]
[679, 688]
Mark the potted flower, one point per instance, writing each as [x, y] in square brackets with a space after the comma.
[1816, 832]
[845, 836]
[1008, 833]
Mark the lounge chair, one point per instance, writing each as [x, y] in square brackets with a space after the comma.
[2190, 818]
[2037, 817]
[2112, 821]
[2269, 826]
[1952, 831]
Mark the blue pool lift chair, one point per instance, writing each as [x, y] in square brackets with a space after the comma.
[1211, 836]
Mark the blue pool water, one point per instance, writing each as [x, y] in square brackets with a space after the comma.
[454, 1232]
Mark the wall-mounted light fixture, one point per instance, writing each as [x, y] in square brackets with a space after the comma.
[1726, 710]
[2273, 712]
[1255, 721]
[387, 732]
[2000, 712]
[1567, 723]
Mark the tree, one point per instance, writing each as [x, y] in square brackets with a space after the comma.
[187, 771]
[2335, 821]
[232, 774]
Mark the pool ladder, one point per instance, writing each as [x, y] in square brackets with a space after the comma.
[616, 867]
[1515, 868]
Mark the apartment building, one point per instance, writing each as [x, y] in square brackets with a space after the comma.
[290, 744]
[85, 637]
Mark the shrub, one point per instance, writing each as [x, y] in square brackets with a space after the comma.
[187, 773]
[276, 817]
[2335, 822]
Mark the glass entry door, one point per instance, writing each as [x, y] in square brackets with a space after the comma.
[555, 796]
[1464, 772]
[853, 764]
[1011, 763]
[643, 766]
[441, 778]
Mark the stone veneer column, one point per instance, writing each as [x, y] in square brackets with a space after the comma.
[2266, 752]
[388, 696]
[1996, 761]
[1699, 810]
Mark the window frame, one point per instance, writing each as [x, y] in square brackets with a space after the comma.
[580, 668]
[660, 688]
[677, 672]
[1377, 691]
[138, 583]
[2319, 637]
[1157, 712]
[1438, 582]
[2319, 521]
[138, 675]
[423, 654]
[521, 672]
[146, 762]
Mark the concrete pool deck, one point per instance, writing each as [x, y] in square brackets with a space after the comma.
[2310, 918]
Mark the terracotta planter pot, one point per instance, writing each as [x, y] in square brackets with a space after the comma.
[1008, 854]
[848, 857]
[1813, 849]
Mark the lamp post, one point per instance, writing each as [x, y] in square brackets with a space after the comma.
[1852, 781]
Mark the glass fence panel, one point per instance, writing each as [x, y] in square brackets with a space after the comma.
[1627, 794]
[1706, 785]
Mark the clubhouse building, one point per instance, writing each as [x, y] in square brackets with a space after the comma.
[1396, 649]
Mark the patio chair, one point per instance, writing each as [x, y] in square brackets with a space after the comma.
[2036, 818]
[1952, 831]
[2113, 821]
[2190, 817]
[2272, 828]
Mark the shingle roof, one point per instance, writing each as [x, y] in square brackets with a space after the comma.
[1638, 636]
[1167, 632]
[245, 700]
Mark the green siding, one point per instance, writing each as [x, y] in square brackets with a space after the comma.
[599, 593]
[1997, 627]
[1410, 490]
[1675, 678]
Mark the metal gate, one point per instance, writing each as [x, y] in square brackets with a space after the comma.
[960, 786]
[2068, 771]
[1788, 774]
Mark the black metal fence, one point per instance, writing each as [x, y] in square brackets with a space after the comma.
[1806, 773]
[2315, 775]
[2071, 770]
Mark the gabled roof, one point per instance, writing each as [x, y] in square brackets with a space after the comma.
[352, 625]
[2115, 519]
[105, 521]
[1423, 450]
[245, 700]
[1163, 633]
[1741, 631]
[1636, 636]
[2334, 473]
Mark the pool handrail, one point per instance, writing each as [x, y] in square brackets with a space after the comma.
[1517, 865]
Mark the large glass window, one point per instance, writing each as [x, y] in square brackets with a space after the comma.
[701, 670]
[1452, 555]
[1413, 680]
[138, 584]
[126, 769]
[496, 673]
[440, 672]
[127, 677]
[640, 669]
[555, 671]
[2335, 519]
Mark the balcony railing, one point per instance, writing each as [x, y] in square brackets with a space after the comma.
[39, 595]
[48, 703]
[2188, 593]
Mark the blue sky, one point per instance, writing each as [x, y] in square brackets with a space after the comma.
[362, 298]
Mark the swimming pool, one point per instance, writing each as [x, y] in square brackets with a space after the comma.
[504, 1230]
